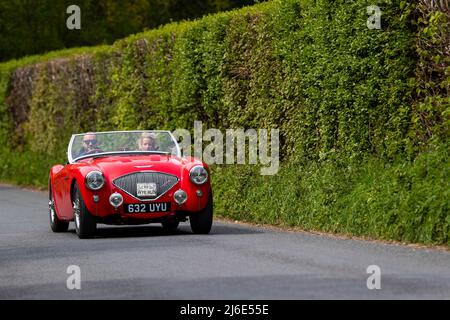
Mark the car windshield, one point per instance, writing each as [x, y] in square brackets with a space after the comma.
[91, 144]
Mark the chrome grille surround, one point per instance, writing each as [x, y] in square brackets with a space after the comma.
[128, 183]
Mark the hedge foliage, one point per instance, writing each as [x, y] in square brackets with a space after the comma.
[348, 100]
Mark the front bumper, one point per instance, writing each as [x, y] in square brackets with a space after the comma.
[97, 203]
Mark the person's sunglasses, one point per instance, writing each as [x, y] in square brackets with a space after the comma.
[90, 141]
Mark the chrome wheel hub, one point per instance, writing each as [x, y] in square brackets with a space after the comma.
[52, 211]
[76, 212]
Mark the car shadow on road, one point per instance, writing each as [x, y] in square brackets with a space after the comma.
[134, 232]
[105, 232]
[229, 229]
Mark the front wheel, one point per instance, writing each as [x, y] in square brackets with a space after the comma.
[85, 224]
[201, 222]
[56, 224]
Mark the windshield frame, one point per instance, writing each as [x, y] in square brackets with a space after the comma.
[104, 154]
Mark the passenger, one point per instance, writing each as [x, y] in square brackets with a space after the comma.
[147, 142]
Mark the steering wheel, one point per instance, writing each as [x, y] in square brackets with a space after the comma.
[93, 151]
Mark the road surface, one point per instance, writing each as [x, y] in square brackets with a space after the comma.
[233, 262]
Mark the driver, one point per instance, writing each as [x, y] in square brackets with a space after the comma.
[90, 145]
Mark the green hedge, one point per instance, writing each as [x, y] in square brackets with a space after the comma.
[346, 99]
[404, 201]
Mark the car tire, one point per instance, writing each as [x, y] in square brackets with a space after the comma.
[56, 224]
[201, 222]
[170, 226]
[85, 224]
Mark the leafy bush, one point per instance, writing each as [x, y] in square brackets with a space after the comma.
[402, 200]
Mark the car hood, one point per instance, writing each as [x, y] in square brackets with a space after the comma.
[116, 166]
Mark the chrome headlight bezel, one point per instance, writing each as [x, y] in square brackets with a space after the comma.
[197, 172]
[176, 199]
[94, 180]
[113, 196]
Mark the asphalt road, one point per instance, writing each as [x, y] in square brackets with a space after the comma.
[233, 262]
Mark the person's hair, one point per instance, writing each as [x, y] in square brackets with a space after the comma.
[146, 135]
[90, 134]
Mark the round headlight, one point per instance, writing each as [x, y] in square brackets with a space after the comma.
[198, 175]
[116, 200]
[180, 197]
[95, 180]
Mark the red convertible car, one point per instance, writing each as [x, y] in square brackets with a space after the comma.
[129, 177]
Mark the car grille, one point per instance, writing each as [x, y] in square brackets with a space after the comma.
[128, 183]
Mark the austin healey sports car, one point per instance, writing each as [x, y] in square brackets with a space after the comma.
[129, 177]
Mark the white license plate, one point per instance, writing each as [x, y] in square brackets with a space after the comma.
[146, 190]
[147, 207]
